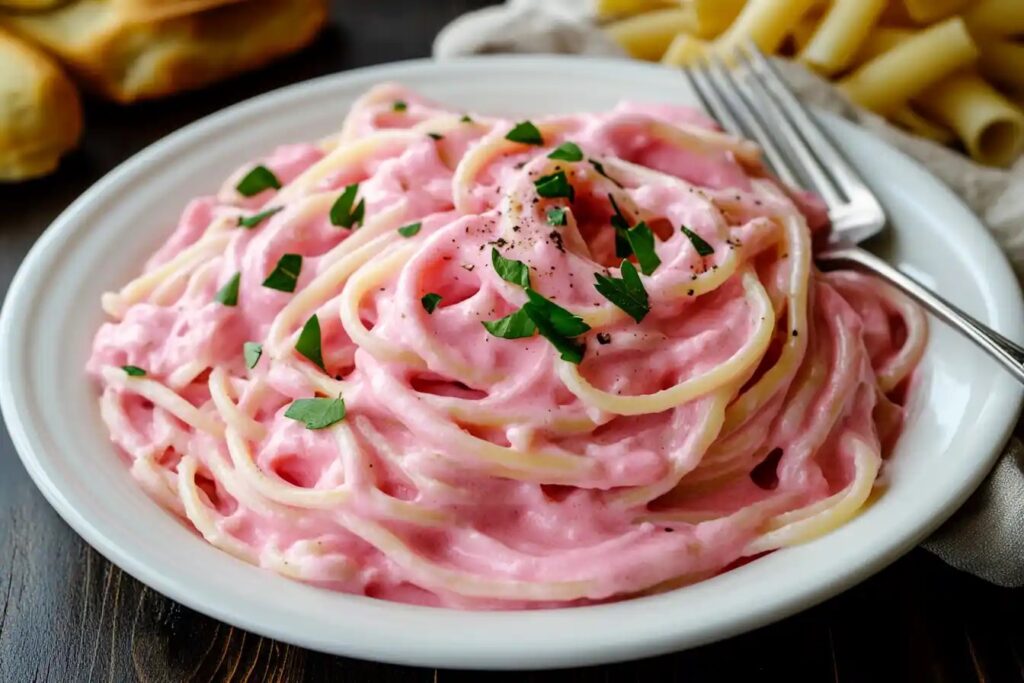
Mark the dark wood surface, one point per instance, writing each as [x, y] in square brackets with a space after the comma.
[66, 614]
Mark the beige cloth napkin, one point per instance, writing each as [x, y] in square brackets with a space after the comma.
[986, 536]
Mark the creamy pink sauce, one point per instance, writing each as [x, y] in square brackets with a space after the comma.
[502, 528]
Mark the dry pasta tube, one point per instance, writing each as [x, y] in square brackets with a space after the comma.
[766, 22]
[840, 34]
[909, 118]
[888, 81]
[647, 36]
[1002, 61]
[607, 9]
[804, 31]
[928, 11]
[996, 17]
[882, 39]
[684, 49]
[990, 126]
[714, 16]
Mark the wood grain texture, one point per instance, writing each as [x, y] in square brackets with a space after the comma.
[66, 614]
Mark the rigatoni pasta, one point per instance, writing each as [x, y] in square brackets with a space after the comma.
[839, 35]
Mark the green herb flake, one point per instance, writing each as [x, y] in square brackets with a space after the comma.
[513, 326]
[621, 225]
[430, 301]
[510, 270]
[599, 167]
[399, 105]
[641, 242]
[557, 325]
[252, 351]
[557, 216]
[627, 293]
[133, 371]
[567, 151]
[702, 247]
[255, 219]
[555, 185]
[465, 119]
[435, 136]
[308, 343]
[317, 413]
[228, 294]
[342, 212]
[526, 133]
[255, 181]
[285, 274]
[409, 230]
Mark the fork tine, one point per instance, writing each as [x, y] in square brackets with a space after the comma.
[753, 125]
[809, 165]
[710, 99]
[807, 127]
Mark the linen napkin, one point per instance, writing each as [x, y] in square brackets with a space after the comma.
[986, 536]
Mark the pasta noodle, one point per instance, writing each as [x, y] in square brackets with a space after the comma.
[646, 36]
[996, 17]
[474, 362]
[844, 28]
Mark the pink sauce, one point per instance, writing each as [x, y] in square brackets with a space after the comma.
[792, 451]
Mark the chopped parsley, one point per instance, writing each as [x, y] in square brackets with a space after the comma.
[430, 301]
[599, 167]
[317, 413]
[228, 294]
[342, 212]
[465, 119]
[557, 216]
[252, 351]
[555, 185]
[567, 151]
[435, 136]
[557, 325]
[285, 273]
[627, 292]
[513, 326]
[702, 247]
[133, 371]
[399, 105]
[308, 343]
[510, 270]
[255, 181]
[641, 243]
[525, 133]
[621, 225]
[255, 219]
[409, 230]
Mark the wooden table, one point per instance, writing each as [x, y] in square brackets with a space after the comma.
[66, 614]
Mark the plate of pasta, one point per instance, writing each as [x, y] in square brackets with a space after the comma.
[510, 362]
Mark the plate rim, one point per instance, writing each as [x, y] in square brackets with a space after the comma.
[641, 643]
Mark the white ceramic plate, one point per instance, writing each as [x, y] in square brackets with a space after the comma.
[960, 416]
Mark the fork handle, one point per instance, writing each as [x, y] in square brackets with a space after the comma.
[1008, 353]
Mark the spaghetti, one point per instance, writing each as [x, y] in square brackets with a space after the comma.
[466, 361]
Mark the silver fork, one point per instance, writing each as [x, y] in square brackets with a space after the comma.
[802, 155]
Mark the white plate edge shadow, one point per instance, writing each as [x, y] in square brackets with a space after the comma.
[615, 642]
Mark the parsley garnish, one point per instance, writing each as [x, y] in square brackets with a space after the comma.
[599, 167]
[621, 225]
[556, 216]
[555, 185]
[342, 213]
[557, 325]
[255, 181]
[465, 119]
[308, 343]
[409, 230]
[702, 247]
[133, 371]
[228, 294]
[430, 301]
[399, 105]
[567, 151]
[435, 136]
[627, 293]
[317, 413]
[526, 133]
[285, 273]
[252, 351]
[510, 270]
[641, 242]
[513, 326]
[255, 219]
